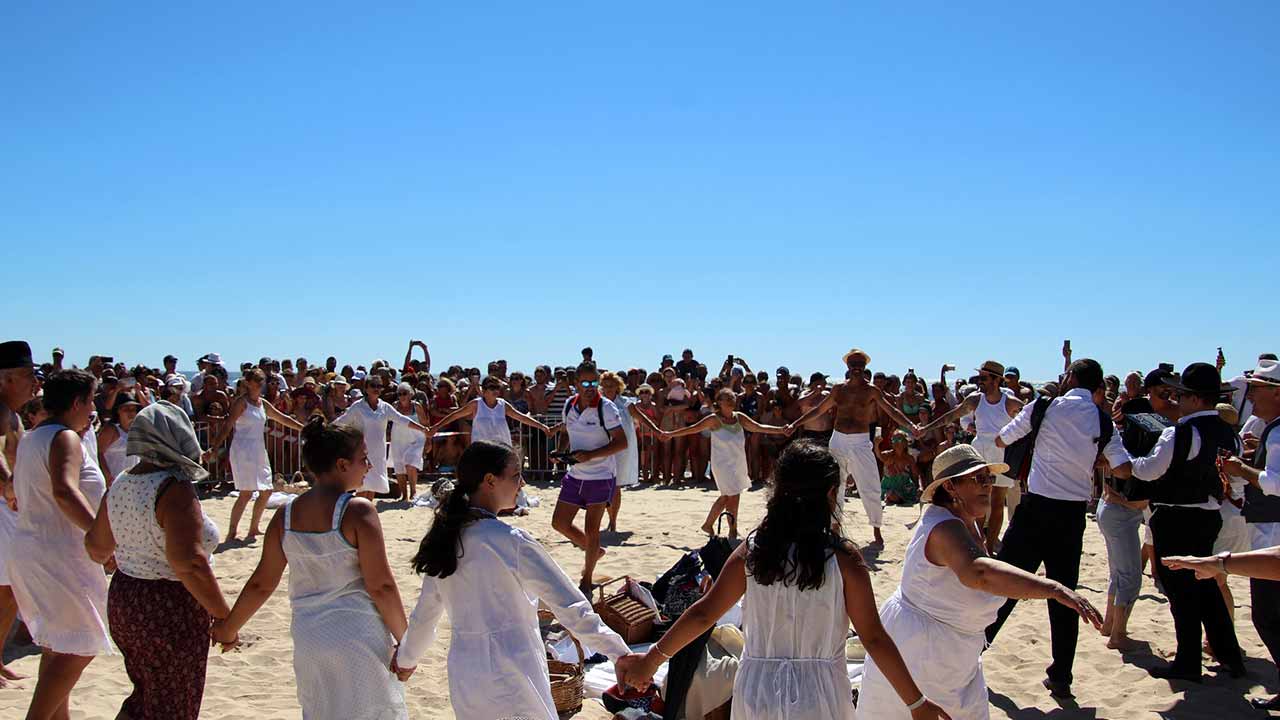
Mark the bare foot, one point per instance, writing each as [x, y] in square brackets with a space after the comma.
[600, 552]
[878, 541]
[7, 674]
[1124, 643]
[611, 529]
[709, 529]
[253, 534]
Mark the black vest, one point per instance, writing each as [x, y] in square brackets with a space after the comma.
[1194, 481]
[1258, 506]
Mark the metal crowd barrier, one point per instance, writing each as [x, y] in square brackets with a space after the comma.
[283, 451]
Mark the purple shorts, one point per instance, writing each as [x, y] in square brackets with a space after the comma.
[584, 493]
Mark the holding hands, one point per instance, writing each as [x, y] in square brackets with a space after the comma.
[219, 634]
[402, 674]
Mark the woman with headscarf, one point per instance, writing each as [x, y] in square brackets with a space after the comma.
[164, 595]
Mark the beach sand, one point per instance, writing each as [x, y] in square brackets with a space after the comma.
[658, 525]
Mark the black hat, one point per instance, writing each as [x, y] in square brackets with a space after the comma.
[1158, 377]
[1200, 379]
[167, 358]
[15, 354]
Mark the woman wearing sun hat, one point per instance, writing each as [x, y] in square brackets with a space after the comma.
[950, 591]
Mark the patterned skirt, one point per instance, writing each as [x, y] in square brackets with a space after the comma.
[163, 633]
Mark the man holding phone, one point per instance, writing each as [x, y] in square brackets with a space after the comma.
[596, 436]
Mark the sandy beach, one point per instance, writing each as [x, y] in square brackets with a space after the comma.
[656, 526]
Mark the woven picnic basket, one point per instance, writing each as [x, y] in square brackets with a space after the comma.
[625, 615]
[567, 681]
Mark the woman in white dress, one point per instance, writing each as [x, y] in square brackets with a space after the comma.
[728, 454]
[370, 415]
[61, 593]
[489, 414]
[407, 445]
[250, 466]
[804, 584]
[611, 385]
[347, 612]
[113, 440]
[950, 592]
[489, 577]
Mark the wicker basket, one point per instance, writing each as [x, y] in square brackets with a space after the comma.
[625, 615]
[567, 682]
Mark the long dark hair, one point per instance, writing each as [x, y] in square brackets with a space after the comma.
[795, 538]
[439, 551]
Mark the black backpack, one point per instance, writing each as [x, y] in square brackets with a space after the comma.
[1018, 455]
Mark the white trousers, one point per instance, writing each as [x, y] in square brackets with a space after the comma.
[857, 457]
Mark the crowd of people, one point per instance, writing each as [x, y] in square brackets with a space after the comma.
[101, 469]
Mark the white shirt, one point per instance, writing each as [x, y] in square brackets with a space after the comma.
[497, 663]
[585, 433]
[1066, 449]
[1157, 462]
[1269, 478]
[373, 423]
[1240, 398]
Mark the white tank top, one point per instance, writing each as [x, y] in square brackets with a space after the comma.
[936, 591]
[991, 417]
[38, 511]
[251, 424]
[117, 460]
[490, 423]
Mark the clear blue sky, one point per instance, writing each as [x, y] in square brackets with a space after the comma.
[944, 182]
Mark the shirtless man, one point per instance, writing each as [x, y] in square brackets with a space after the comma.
[783, 396]
[857, 404]
[992, 407]
[819, 428]
[17, 386]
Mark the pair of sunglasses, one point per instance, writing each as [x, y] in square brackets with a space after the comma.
[589, 383]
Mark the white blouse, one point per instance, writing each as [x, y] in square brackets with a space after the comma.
[497, 662]
[131, 507]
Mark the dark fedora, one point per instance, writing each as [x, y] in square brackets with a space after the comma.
[1199, 379]
[15, 354]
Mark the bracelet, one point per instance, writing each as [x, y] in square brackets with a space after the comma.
[659, 651]
[919, 703]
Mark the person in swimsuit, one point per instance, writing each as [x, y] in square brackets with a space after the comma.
[649, 446]
[900, 484]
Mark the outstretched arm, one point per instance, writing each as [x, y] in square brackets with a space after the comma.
[466, 412]
[707, 423]
[965, 407]
[755, 427]
[894, 412]
[275, 414]
[825, 406]
[523, 419]
[643, 419]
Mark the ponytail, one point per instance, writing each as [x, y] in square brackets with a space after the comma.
[441, 548]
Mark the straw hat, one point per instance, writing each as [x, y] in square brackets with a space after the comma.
[866, 359]
[1228, 412]
[993, 367]
[958, 461]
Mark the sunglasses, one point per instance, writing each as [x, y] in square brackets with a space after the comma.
[589, 383]
[983, 478]
[374, 386]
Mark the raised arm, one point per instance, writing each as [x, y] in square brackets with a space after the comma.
[965, 407]
[274, 414]
[710, 422]
[523, 419]
[752, 426]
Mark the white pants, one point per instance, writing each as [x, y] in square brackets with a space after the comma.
[857, 457]
[986, 446]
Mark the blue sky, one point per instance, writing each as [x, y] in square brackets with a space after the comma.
[944, 182]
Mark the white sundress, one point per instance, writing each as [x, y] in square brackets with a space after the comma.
[939, 627]
[341, 648]
[61, 593]
[250, 466]
[793, 667]
[628, 460]
[729, 458]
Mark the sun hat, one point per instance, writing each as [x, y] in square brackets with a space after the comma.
[958, 461]
[1267, 373]
[866, 359]
[992, 367]
[1228, 412]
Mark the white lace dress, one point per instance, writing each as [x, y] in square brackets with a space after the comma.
[341, 648]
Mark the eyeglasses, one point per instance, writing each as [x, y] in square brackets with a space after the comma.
[983, 478]
[373, 386]
[589, 383]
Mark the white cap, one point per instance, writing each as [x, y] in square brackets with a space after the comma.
[214, 358]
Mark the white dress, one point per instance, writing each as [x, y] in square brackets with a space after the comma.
[938, 625]
[250, 466]
[729, 458]
[629, 459]
[497, 662]
[373, 423]
[793, 667]
[61, 592]
[114, 455]
[490, 423]
[341, 648]
[407, 447]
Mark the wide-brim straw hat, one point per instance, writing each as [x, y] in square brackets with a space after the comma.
[866, 359]
[958, 461]
[993, 367]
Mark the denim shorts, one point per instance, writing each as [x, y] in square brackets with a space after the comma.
[584, 493]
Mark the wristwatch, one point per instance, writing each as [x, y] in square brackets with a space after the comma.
[1222, 561]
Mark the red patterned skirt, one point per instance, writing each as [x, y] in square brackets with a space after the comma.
[163, 633]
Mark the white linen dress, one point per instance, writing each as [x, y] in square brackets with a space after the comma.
[938, 625]
[373, 423]
[628, 460]
[250, 466]
[341, 648]
[61, 593]
[497, 662]
[729, 459]
[793, 667]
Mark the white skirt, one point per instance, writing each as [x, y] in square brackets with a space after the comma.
[61, 593]
[8, 525]
[408, 454]
[250, 466]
